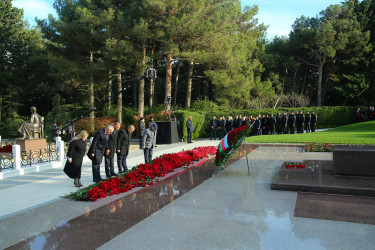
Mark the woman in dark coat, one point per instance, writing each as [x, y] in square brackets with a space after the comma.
[76, 152]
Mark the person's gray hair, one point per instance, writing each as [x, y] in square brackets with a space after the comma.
[109, 127]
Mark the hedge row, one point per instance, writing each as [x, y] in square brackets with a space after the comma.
[328, 117]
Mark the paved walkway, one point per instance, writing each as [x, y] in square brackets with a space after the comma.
[228, 211]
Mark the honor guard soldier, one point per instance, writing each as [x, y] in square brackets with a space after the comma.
[314, 119]
[291, 122]
[307, 122]
[284, 122]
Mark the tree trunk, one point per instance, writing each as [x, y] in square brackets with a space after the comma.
[320, 76]
[205, 83]
[109, 93]
[189, 84]
[135, 96]
[152, 81]
[141, 93]
[1, 105]
[176, 84]
[324, 87]
[91, 96]
[168, 80]
[303, 86]
[119, 98]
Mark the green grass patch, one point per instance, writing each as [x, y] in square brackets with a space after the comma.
[359, 133]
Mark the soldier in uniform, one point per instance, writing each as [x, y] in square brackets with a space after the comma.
[278, 123]
[307, 122]
[291, 122]
[314, 119]
[284, 122]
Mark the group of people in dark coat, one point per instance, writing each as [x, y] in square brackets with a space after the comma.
[265, 124]
[105, 143]
[286, 123]
[364, 115]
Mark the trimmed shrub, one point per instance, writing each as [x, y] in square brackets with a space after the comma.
[100, 123]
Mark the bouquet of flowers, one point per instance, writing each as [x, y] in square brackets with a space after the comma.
[230, 144]
[6, 149]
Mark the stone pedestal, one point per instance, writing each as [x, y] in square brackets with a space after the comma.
[32, 144]
[354, 161]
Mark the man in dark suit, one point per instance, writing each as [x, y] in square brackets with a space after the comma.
[213, 125]
[228, 125]
[96, 150]
[190, 129]
[221, 127]
[141, 128]
[123, 145]
[109, 157]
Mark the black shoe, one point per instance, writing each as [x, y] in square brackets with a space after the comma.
[113, 174]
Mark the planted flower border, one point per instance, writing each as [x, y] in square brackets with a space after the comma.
[317, 147]
[141, 175]
[229, 145]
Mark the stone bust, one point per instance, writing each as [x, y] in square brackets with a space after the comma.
[34, 128]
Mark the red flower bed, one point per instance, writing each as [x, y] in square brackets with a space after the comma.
[144, 174]
[6, 149]
[294, 165]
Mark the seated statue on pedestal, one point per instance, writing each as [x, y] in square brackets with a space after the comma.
[34, 128]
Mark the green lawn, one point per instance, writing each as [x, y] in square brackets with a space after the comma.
[359, 133]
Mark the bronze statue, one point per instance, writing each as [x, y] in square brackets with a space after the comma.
[34, 128]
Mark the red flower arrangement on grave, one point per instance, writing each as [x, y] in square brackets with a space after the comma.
[230, 144]
[142, 175]
[6, 149]
[317, 147]
[294, 165]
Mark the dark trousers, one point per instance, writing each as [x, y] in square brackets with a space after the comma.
[312, 128]
[109, 166]
[148, 154]
[96, 172]
[272, 130]
[285, 129]
[221, 133]
[190, 135]
[140, 141]
[308, 128]
[291, 128]
[121, 163]
[213, 134]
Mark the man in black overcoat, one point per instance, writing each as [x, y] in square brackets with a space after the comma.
[228, 125]
[122, 149]
[278, 123]
[141, 129]
[213, 125]
[221, 127]
[109, 156]
[314, 119]
[96, 150]
[271, 123]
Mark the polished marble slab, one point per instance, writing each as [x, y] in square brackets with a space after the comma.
[349, 208]
[318, 177]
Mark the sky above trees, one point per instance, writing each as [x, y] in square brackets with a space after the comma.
[278, 15]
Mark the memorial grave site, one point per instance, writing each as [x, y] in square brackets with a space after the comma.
[210, 124]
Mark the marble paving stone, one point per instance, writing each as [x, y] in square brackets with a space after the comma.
[336, 207]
